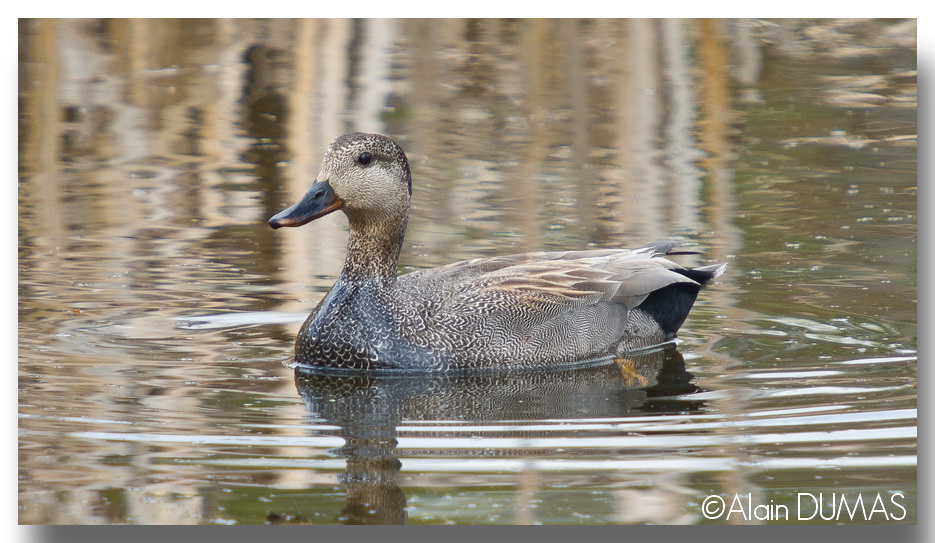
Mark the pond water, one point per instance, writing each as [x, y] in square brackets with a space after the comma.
[157, 308]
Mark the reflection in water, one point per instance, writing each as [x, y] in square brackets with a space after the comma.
[367, 410]
[155, 305]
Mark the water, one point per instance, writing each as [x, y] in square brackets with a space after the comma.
[156, 308]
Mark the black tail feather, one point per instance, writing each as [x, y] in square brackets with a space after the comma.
[669, 306]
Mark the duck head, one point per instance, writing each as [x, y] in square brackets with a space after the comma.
[365, 175]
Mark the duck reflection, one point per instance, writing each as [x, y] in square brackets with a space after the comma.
[367, 409]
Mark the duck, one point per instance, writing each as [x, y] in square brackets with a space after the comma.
[532, 311]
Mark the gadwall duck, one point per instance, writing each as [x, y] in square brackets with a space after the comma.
[527, 311]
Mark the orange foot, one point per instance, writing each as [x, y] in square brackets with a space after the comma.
[630, 375]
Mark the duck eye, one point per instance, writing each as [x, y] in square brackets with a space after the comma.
[364, 158]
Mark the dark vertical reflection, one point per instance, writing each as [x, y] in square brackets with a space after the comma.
[265, 113]
[354, 80]
[265, 119]
[370, 479]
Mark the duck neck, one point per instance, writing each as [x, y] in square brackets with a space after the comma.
[373, 249]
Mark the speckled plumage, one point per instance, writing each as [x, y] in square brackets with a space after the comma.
[527, 311]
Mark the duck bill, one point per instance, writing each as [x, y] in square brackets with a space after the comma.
[317, 202]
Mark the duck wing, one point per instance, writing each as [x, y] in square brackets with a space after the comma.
[573, 282]
[550, 306]
[558, 280]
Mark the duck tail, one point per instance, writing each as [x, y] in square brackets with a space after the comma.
[664, 247]
[703, 274]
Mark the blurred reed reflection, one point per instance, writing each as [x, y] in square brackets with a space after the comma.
[523, 134]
